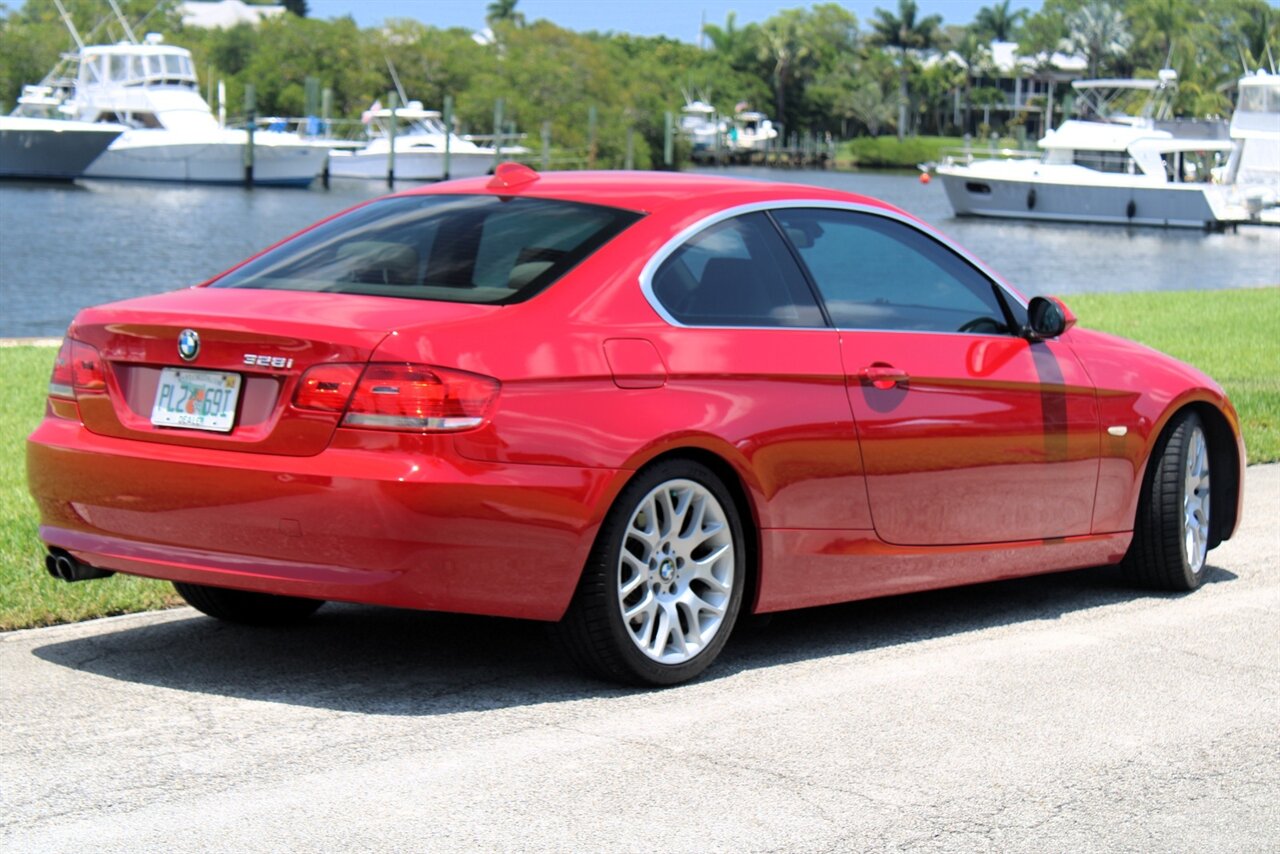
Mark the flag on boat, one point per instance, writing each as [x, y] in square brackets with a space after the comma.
[367, 115]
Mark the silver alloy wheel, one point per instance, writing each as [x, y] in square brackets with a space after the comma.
[675, 571]
[1195, 502]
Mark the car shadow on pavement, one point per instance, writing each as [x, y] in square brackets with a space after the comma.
[363, 659]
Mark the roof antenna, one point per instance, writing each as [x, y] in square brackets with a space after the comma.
[124, 22]
[66, 19]
[395, 77]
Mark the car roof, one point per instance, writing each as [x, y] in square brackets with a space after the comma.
[647, 191]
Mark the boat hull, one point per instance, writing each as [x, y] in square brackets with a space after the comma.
[142, 156]
[51, 149]
[409, 166]
[1170, 205]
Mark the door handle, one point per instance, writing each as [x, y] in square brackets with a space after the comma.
[883, 377]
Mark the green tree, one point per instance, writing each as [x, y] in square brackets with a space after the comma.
[909, 36]
[1099, 31]
[504, 12]
[974, 55]
[997, 22]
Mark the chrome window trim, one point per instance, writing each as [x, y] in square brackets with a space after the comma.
[668, 249]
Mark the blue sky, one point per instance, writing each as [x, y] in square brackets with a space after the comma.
[675, 18]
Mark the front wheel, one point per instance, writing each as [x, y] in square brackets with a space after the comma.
[1171, 532]
[663, 585]
[243, 606]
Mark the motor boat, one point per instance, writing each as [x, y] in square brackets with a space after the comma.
[698, 124]
[751, 132]
[1145, 169]
[172, 135]
[418, 137]
[51, 149]
[1255, 129]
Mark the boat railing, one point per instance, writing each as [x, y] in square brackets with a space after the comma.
[966, 155]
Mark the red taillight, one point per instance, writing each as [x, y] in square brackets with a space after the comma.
[398, 397]
[61, 381]
[77, 367]
[326, 387]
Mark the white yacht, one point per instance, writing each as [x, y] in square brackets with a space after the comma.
[172, 135]
[1255, 128]
[698, 123]
[51, 149]
[751, 132]
[1138, 170]
[419, 142]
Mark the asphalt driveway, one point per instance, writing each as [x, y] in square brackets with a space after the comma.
[1058, 713]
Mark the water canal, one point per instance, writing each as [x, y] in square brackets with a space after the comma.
[63, 247]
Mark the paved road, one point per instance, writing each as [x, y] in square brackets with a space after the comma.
[1052, 714]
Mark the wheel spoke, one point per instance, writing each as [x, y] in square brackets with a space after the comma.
[641, 575]
[645, 606]
[644, 526]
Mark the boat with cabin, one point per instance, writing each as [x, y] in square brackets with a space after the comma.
[700, 125]
[418, 137]
[170, 132]
[1107, 167]
[1255, 129]
[752, 132]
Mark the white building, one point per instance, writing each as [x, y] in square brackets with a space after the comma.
[224, 14]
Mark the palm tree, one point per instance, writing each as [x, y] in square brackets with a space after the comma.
[997, 22]
[908, 36]
[1098, 31]
[974, 54]
[503, 10]
[784, 45]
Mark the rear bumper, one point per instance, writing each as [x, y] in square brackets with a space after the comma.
[405, 523]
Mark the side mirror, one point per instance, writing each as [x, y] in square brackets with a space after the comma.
[1048, 317]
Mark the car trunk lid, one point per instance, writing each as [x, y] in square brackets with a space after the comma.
[259, 342]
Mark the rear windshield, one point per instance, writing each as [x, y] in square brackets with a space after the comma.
[478, 249]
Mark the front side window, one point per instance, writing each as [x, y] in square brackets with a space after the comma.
[479, 249]
[878, 273]
[736, 273]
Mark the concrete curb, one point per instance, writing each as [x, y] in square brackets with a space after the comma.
[30, 342]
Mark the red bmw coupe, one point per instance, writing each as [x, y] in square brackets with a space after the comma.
[632, 404]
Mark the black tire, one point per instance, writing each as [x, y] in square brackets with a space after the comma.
[595, 633]
[1162, 555]
[242, 606]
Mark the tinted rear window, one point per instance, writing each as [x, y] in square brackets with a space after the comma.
[478, 249]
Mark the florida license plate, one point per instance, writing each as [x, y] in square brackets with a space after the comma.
[197, 400]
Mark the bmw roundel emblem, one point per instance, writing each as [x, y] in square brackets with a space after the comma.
[188, 344]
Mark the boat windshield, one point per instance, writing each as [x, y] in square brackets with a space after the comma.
[144, 66]
[1260, 98]
[476, 249]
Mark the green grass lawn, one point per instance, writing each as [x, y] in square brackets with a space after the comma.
[28, 595]
[886, 152]
[1233, 336]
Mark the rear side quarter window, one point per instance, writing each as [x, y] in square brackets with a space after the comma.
[738, 272]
